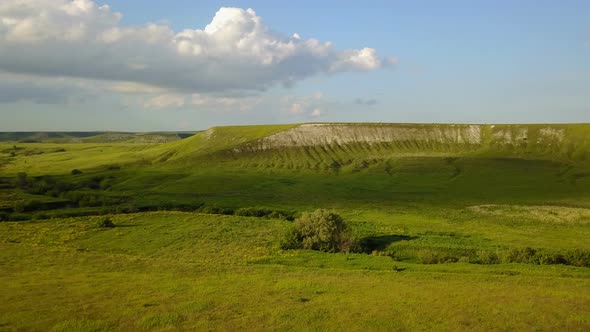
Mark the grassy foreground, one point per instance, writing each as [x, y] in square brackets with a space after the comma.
[173, 270]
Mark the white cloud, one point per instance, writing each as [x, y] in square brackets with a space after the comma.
[310, 106]
[316, 113]
[235, 51]
[133, 87]
[296, 108]
[200, 102]
[165, 101]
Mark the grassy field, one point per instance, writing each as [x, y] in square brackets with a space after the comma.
[172, 270]
[487, 236]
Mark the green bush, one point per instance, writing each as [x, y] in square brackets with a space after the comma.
[351, 244]
[321, 230]
[291, 240]
[76, 172]
[428, 256]
[276, 215]
[550, 259]
[215, 210]
[4, 216]
[106, 223]
[525, 255]
[578, 257]
[253, 212]
[487, 257]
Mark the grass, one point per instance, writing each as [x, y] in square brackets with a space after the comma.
[438, 220]
[172, 270]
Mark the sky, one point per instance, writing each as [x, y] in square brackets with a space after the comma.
[181, 65]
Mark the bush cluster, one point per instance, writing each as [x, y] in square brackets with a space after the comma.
[50, 186]
[266, 213]
[320, 230]
[576, 257]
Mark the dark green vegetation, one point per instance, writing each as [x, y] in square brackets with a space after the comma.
[454, 227]
[322, 231]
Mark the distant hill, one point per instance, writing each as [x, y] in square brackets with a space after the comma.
[312, 144]
[346, 147]
[92, 137]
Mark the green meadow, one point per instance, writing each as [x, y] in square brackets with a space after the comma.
[456, 233]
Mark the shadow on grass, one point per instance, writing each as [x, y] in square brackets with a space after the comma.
[381, 242]
[124, 226]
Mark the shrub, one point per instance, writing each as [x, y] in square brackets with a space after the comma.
[351, 244]
[321, 230]
[76, 172]
[487, 257]
[106, 223]
[253, 212]
[578, 257]
[4, 216]
[291, 240]
[550, 258]
[215, 210]
[427, 256]
[227, 211]
[276, 215]
[525, 255]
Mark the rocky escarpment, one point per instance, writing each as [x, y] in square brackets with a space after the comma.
[325, 143]
[340, 134]
[541, 139]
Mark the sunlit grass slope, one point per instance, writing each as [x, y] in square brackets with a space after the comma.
[61, 158]
[214, 140]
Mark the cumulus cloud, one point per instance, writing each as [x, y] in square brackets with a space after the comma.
[200, 101]
[236, 51]
[169, 100]
[310, 106]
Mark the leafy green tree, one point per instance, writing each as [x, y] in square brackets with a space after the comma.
[320, 230]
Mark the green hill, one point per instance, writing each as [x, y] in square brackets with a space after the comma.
[317, 145]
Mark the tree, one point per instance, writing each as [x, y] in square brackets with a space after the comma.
[321, 230]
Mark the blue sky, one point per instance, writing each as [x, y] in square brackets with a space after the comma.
[430, 61]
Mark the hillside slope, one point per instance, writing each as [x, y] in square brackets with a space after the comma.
[314, 144]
